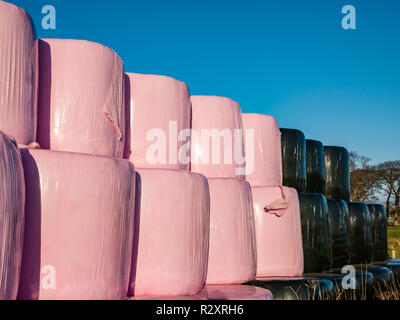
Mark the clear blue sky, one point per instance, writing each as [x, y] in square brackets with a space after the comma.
[287, 58]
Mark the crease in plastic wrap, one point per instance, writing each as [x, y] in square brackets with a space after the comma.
[315, 165]
[338, 229]
[294, 159]
[12, 217]
[79, 226]
[220, 117]
[232, 255]
[278, 232]
[360, 233]
[267, 156]
[379, 232]
[158, 112]
[18, 74]
[81, 98]
[337, 173]
[173, 210]
[314, 223]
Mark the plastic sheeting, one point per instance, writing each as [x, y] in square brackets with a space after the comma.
[314, 223]
[267, 150]
[81, 98]
[79, 226]
[378, 232]
[18, 74]
[171, 257]
[360, 233]
[316, 173]
[337, 173]
[221, 116]
[294, 159]
[278, 231]
[159, 110]
[232, 256]
[338, 229]
[12, 204]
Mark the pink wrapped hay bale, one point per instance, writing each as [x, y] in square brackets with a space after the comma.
[12, 205]
[217, 137]
[232, 257]
[158, 129]
[278, 232]
[81, 98]
[79, 226]
[267, 155]
[18, 74]
[173, 208]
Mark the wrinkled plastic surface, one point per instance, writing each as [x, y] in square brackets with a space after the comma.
[360, 233]
[232, 255]
[378, 232]
[12, 216]
[337, 173]
[338, 229]
[172, 253]
[314, 223]
[294, 159]
[18, 74]
[81, 98]
[267, 150]
[278, 232]
[221, 115]
[220, 292]
[79, 226]
[316, 173]
[157, 103]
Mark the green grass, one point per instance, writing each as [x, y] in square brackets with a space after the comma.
[394, 240]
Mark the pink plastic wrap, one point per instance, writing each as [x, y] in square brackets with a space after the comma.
[174, 213]
[278, 232]
[81, 98]
[159, 109]
[222, 116]
[18, 74]
[232, 256]
[79, 226]
[220, 292]
[12, 202]
[267, 150]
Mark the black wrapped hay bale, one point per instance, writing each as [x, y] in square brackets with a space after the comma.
[314, 225]
[338, 229]
[315, 164]
[294, 159]
[337, 166]
[378, 232]
[360, 233]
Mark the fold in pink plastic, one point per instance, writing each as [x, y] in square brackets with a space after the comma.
[278, 232]
[81, 98]
[79, 226]
[232, 256]
[159, 109]
[18, 74]
[173, 208]
[12, 202]
[217, 117]
[267, 150]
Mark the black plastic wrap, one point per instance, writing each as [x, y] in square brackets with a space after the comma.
[314, 225]
[338, 229]
[294, 159]
[337, 173]
[378, 232]
[315, 164]
[360, 233]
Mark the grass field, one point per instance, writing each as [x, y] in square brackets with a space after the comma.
[394, 241]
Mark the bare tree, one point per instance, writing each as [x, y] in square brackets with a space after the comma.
[389, 183]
